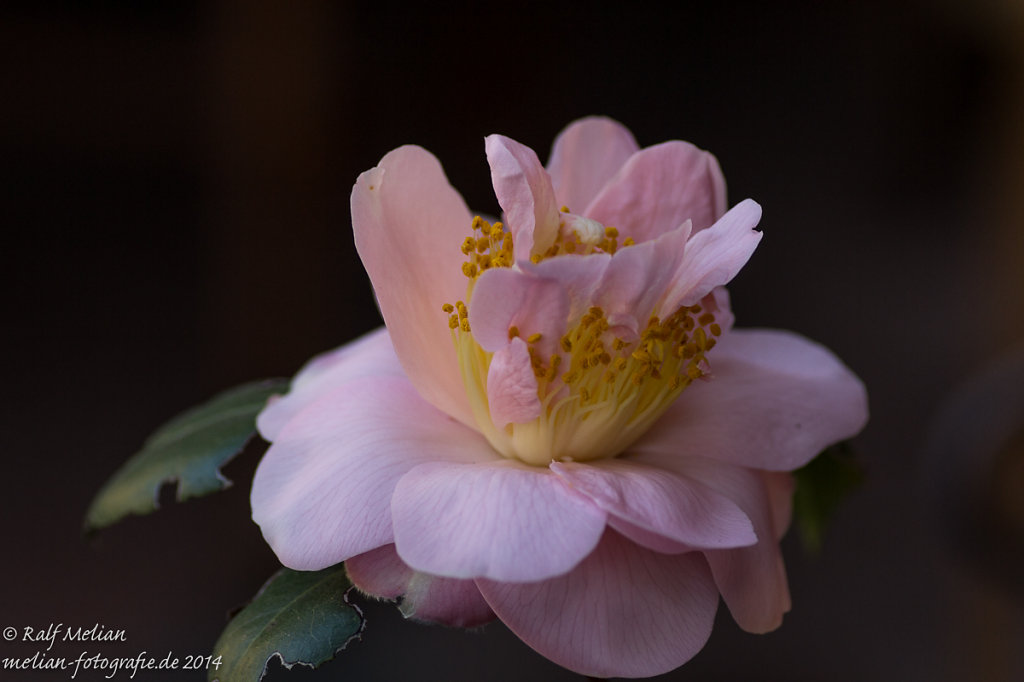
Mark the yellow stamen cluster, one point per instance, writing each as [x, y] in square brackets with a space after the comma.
[489, 247]
[569, 242]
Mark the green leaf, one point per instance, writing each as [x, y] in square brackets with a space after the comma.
[302, 617]
[821, 485]
[189, 449]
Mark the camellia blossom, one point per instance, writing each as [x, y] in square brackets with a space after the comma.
[558, 426]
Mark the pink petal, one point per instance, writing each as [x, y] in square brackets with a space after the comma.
[524, 193]
[585, 156]
[624, 611]
[369, 355]
[658, 189]
[409, 224]
[775, 400]
[636, 279]
[714, 256]
[322, 492]
[501, 520]
[512, 386]
[381, 573]
[752, 580]
[503, 298]
[577, 275]
[660, 501]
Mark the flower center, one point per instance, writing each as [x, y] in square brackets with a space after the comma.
[598, 393]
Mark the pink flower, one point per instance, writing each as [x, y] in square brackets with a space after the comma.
[558, 425]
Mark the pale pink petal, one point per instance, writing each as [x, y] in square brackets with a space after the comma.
[500, 520]
[624, 611]
[660, 501]
[322, 492]
[781, 485]
[660, 187]
[369, 355]
[524, 193]
[636, 279]
[409, 224]
[505, 298]
[578, 276]
[585, 156]
[512, 386]
[714, 256]
[381, 573]
[775, 400]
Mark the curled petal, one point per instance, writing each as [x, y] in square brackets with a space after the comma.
[504, 298]
[381, 573]
[408, 222]
[662, 502]
[660, 187]
[714, 256]
[524, 193]
[774, 402]
[369, 355]
[512, 386]
[624, 611]
[585, 156]
[500, 520]
[322, 492]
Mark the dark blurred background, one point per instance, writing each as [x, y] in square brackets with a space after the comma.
[174, 183]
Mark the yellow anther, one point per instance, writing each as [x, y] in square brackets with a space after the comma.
[564, 209]
[469, 270]
[628, 241]
[693, 371]
[570, 377]
[513, 332]
[611, 232]
[533, 338]
[706, 319]
[468, 245]
[618, 344]
[715, 329]
[584, 395]
[535, 258]
[566, 344]
[453, 322]
[464, 326]
[448, 307]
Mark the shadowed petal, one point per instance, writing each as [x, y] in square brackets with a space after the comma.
[660, 501]
[369, 355]
[624, 611]
[660, 187]
[503, 298]
[408, 224]
[322, 492]
[381, 573]
[512, 386]
[775, 400]
[752, 579]
[500, 520]
[524, 193]
[585, 156]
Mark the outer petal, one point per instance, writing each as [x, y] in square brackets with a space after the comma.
[381, 573]
[624, 611]
[500, 520]
[660, 187]
[369, 355]
[662, 502]
[585, 156]
[512, 386]
[714, 256]
[322, 492]
[409, 223]
[504, 297]
[752, 579]
[524, 193]
[775, 400]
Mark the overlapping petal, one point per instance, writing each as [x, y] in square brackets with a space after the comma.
[500, 520]
[524, 193]
[660, 187]
[775, 401]
[585, 156]
[624, 611]
[322, 492]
